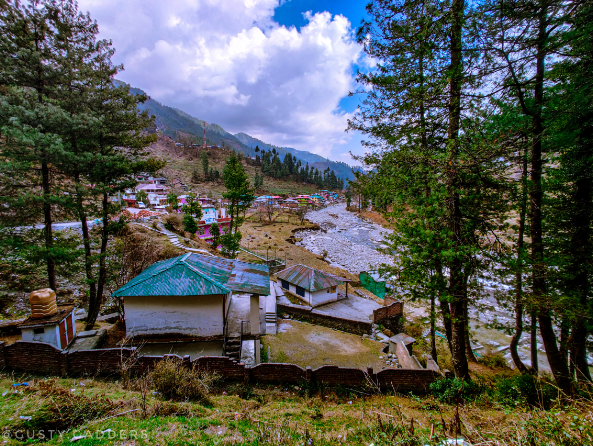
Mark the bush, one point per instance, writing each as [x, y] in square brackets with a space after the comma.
[522, 390]
[62, 409]
[493, 360]
[173, 222]
[447, 390]
[176, 382]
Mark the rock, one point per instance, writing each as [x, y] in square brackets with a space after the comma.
[382, 338]
[365, 336]
[387, 332]
[80, 314]
[86, 334]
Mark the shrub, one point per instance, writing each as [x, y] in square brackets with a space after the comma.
[176, 382]
[447, 390]
[62, 409]
[521, 390]
[173, 222]
[493, 360]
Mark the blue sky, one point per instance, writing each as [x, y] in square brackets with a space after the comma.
[279, 70]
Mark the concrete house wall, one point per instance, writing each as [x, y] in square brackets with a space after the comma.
[51, 333]
[315, 298]
[323, 296]
[199, 316]
[49, 336]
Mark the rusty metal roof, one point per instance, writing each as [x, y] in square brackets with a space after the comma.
[53, 319]
[308, 278]
[196, 275]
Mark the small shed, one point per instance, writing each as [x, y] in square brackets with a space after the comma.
[48, 322]
[313, 286]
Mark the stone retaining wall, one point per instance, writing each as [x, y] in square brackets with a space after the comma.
[310, 315]
[40, 358]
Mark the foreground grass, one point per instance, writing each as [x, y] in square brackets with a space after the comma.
[291, 415]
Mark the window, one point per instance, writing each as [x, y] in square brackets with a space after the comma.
[333, 289]
[285, 284]
[39, 330]
[300, 291]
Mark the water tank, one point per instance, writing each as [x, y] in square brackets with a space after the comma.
[43, 303]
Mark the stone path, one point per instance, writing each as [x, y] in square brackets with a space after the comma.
[174, 239]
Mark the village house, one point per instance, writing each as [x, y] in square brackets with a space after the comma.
[196, 297]
[313, 286]
[48, 323]
[152, 188]
[211, 215]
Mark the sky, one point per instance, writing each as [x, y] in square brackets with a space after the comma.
[278, 70]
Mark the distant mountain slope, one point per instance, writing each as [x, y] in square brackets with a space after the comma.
[342, 170]
[171, 121]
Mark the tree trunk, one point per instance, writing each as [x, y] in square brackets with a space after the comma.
[94, 311]
[519, 305]
[469, 352]
[558, 366]
[533, 342]
[47, 229]
[458, 322]
[86, 240]
[581, 243]
[433, 345]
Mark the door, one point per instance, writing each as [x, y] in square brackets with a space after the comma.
[63, 336]
[70, 325]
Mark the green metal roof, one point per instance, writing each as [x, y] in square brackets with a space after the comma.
[308, 278]
[196, 275]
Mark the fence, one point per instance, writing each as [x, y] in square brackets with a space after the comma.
[40, 358]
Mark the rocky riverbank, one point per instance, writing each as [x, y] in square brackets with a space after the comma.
[347, 241]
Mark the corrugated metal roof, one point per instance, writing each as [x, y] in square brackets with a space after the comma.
[196, 275]
[308, 278]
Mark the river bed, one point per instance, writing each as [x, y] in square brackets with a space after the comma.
[351, 243]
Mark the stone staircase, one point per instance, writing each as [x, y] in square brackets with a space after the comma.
[174, 239]
[271, 316]
[233, 348]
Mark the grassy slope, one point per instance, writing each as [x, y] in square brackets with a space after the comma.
[182, 162]
[240, 414]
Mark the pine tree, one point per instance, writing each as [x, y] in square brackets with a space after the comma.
[240, 196]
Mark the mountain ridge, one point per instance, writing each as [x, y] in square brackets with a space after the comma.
[174, 122]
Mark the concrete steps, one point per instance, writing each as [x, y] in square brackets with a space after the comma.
[233, 348]
[271, 315]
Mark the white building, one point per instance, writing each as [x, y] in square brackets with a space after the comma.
[313, 286]
[189, 297]
[49, 323]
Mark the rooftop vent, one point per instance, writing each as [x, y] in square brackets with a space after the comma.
[43, 303]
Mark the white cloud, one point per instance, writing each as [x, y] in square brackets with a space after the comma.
[228, 62]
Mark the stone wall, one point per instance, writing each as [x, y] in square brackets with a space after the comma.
[40, 358]
[310, 315]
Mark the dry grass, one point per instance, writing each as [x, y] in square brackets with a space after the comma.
[286, 414]
[306, 344]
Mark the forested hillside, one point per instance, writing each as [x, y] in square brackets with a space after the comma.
[181, 126]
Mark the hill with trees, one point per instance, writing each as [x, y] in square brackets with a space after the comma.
[189, 130]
